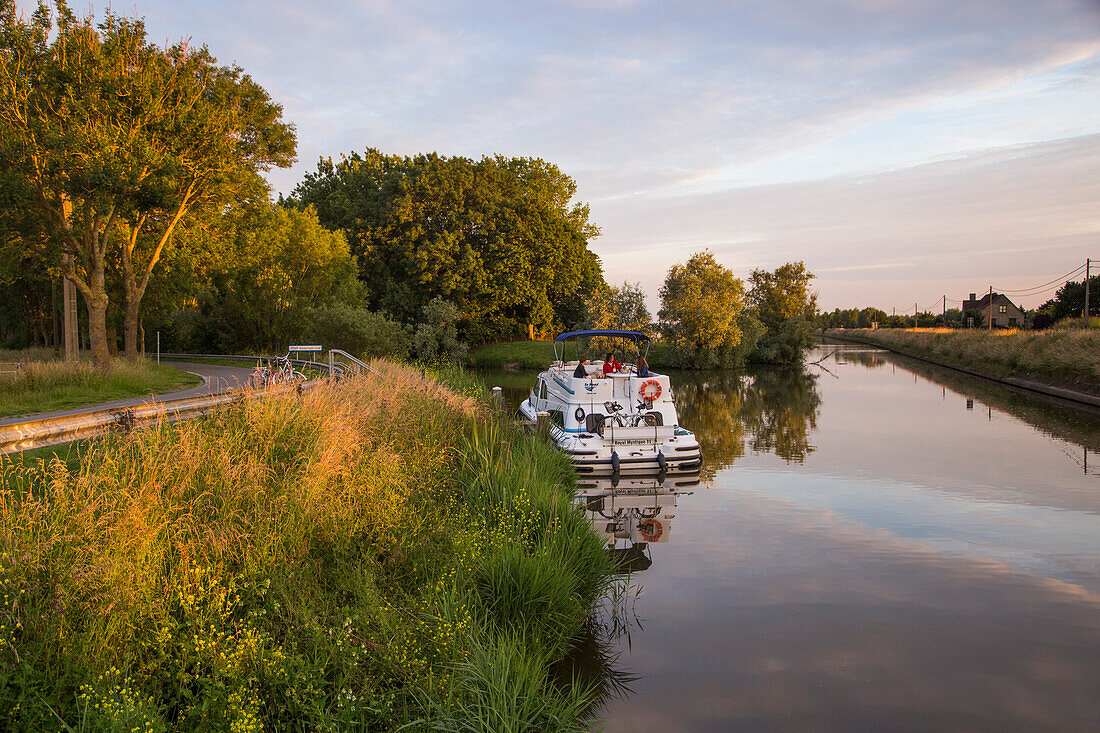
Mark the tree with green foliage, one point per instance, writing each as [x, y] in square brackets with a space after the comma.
[870, 316]
[783, 302]
[264, 270]
[1069, 301]
[498, 237]
[619, 306]
[113, 134]
[703, 315]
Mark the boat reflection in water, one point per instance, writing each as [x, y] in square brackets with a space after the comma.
[630, 513]
[633, 512]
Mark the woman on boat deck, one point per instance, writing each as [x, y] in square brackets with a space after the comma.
[643, 368]
[610, 365]
[580, 372]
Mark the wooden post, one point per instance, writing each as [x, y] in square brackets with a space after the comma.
[1087, 263]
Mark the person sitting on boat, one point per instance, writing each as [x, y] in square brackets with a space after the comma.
[610, 365]
[643, 368]
[580, 372]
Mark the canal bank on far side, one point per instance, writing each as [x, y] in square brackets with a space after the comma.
[1062, 363]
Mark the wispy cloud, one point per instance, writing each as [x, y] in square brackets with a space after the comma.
[767, 131]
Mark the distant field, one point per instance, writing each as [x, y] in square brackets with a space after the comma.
[42, 386]
[539, 354]
[1065, 354]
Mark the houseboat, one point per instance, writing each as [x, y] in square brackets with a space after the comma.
[618, 421]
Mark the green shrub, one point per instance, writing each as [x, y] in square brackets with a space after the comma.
[357, 331]
[436, 338]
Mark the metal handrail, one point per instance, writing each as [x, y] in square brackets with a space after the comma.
[333, 367]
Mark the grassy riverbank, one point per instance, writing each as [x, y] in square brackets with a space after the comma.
[42, 385]
[1061, 354]
[376, 553]
[539, 355]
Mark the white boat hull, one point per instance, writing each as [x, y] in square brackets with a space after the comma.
[624, 450]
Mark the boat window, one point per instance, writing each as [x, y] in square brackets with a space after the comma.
[542, 393]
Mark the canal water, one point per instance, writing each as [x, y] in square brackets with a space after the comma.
[872, 544]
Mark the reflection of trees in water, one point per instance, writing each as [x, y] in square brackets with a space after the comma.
[1066, 421]
[709, 404]
[781, 412]
[862, 356]
[769, 410]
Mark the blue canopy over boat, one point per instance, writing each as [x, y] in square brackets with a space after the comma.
[634, 336]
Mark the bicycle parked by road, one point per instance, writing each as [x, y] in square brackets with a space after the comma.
[264, 375]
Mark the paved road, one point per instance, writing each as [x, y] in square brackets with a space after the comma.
[215, 380]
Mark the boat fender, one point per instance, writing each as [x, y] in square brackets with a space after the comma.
[661, 459]
[652, 530]
[647, 394]
[579, 414]
[614, 461]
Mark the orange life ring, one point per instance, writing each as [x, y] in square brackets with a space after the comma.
[652, 530]
[644, 391]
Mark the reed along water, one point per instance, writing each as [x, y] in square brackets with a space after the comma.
[873, 544]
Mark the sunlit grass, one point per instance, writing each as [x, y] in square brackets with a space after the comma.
[42, 385]
[1066, 353]
[375, 553]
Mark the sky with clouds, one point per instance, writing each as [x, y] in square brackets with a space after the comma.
[904, 150]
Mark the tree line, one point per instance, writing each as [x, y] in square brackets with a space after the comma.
[1067, 304]
[132, 173]
[710, 319]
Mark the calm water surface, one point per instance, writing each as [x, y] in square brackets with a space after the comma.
[874, 544]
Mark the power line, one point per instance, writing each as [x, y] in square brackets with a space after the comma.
[1059, 281]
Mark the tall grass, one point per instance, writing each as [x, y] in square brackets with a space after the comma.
[41, 385]
[1064, 353]
[377, 553]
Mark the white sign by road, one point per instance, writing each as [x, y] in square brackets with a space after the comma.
[301, 347]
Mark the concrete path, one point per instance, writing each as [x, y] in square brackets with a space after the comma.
[215, 380]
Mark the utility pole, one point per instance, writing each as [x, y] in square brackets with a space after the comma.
[1087, 263]
[990, 307]
[945, 311]
[915, 321]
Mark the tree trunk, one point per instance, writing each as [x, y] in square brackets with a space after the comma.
[97, 328]
[130, 328]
